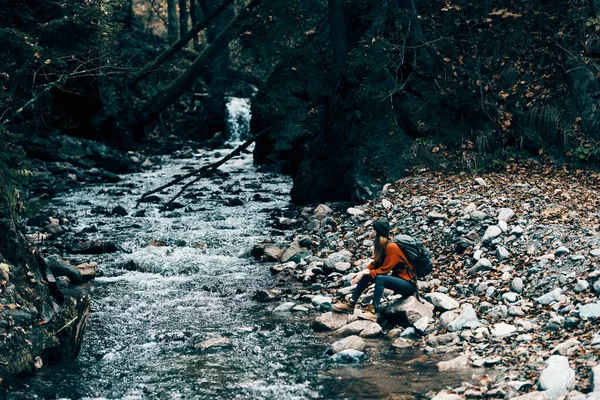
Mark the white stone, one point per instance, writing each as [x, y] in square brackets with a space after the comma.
[501, 330]
[590, 311]
[285, 307]
[458, 363]
[581, 286]
[467, 319]
[318, 300]
[351, 342]
[517, 230]
[595, 252]
[549, 298]
[441, 301]
[557, 378]
[354, 211]
[502, 253]
[492, 232]
[480, 181]
[505, 214]
[503, 226]
[387, 204]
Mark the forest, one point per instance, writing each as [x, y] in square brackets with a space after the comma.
[372, 110]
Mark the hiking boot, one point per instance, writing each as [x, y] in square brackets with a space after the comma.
[368, 313]
[343, 308]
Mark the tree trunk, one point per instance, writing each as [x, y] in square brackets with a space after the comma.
[201, 64]
[172, 21]
[167, 54]
[337, 33]
[194, 17]
[183, 18]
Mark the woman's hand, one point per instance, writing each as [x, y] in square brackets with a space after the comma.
[359, 276]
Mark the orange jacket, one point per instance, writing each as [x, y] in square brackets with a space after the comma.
[395, 261]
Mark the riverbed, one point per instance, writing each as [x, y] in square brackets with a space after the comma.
[185, 275]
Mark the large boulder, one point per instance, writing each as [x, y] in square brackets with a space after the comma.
[407, 311]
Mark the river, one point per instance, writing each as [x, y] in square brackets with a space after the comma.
[185, 276]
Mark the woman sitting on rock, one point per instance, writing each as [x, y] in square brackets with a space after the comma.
[387, 257]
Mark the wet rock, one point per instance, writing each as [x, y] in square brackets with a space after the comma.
[285, 307]
[214, 344]
[349, 356]
[151, 199]
[19, 317]
[268, 295]
[557, 378]
[409, 309]
[372, 331]
[54, 230]
[268, 251]
[353, 328]
[441, 301]
[330, 321]
[120, 210]
[87, 270]
[351, 342]
[589, 311]
[294, 253]
[456, 364]
[317, 301]
[234, 202]
[466, 319]
[60, 267]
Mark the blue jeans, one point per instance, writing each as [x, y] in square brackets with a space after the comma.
[398, 285]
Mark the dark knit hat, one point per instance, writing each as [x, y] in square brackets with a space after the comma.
[382, 227]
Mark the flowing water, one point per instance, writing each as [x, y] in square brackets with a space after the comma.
[184, 276]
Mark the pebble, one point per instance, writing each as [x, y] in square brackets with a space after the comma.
[517, 285]
[581, 286]
[354, 211]
[491, 232]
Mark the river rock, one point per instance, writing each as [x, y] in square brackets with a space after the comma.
[353, 328]
[216, 343]
[285, 307]
[516, 285]
[549, 298]
[595, 252]
[458, 363]
[589, 311]
[434, 216]
[409, 309]
[318, 300]
[498, 312]
[267, 295]
[502, 253]
[54, 230]
[596, 380]
[441, 301]
[349, 356]
[334, 258]
[509, 297]
[478, 215]
[562, 250]
[444, 395]
[446, 318]
[87, 270]
[351, 342]
[581, 286]
[92, 247]
[480, 182]
[502, 330]
[342, 267]
[491, 232]
[567, 347]
[354, 211]
[597, 287]
[505, 214]
[60, 267]
[330, 321]
[466, 319]
[371, 331]
[120, 211]
[515, 311]
[482, 265]
[557, 378]
[442, 340]
[322, 210]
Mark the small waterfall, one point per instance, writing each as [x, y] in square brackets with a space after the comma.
[238, 118]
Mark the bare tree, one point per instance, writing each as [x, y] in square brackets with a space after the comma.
[183, 18]
[172, 21]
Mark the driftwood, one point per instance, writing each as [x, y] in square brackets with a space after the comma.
[203, 171]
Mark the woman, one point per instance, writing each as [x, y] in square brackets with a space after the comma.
[387, 257]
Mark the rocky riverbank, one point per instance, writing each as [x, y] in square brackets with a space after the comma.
[514, 289]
